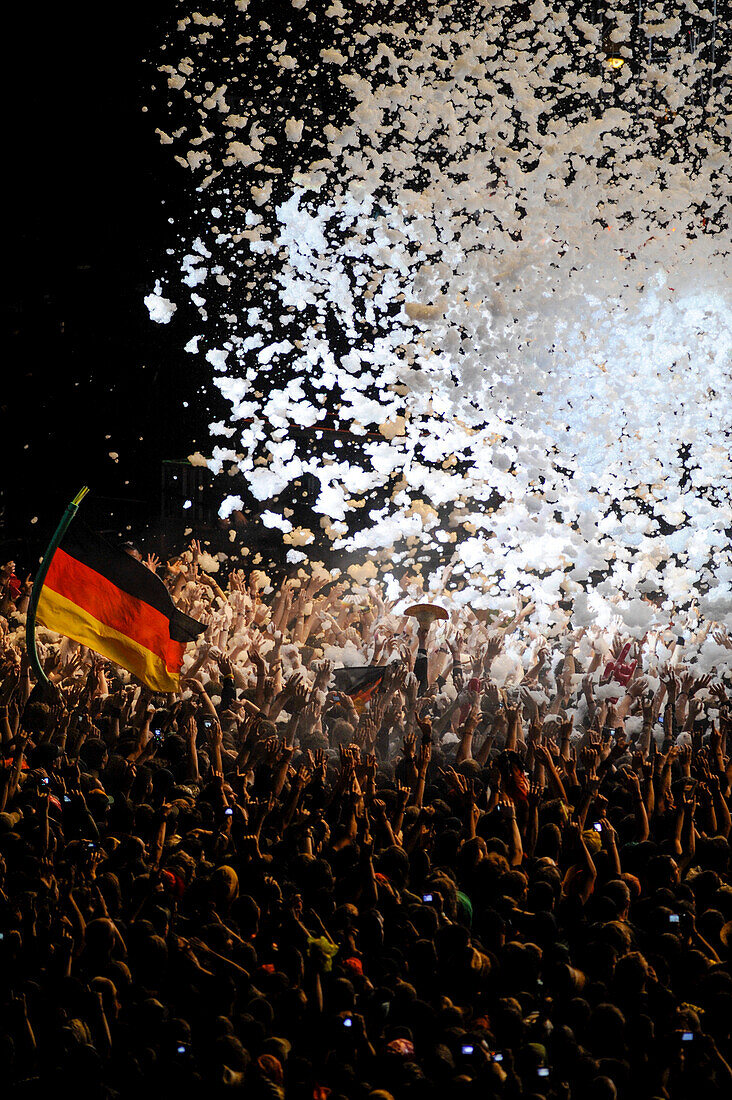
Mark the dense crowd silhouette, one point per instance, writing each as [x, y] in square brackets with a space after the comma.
[502, 869]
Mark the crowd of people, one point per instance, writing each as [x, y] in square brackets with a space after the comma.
[502, 870]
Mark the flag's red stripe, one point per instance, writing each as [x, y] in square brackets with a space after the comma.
[362, 696]
[114, 608]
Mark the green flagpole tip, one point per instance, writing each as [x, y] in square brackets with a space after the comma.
[30, 623]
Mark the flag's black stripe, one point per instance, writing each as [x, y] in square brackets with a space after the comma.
[130, 575]
[351, 680]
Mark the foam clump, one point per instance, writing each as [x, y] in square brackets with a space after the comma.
[160, 309]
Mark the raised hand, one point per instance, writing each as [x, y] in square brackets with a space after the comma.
[425, 725]
[403, 793]
[320, 762]
[425, 755]
[512, 715]
[531, 707]
[671, 683]
[698, 684]
[369, 766]
[256, 658]
[619, 748]
[492, 694]
[303, 776]
[636, 687]
[695, 708]
[611, 718]
[226, 666]
[719, 693]
[284, 751]
[323, 672]
[590, 759]
[525, 611]
[684, 758]
[535, 794]
[401, 676]
[309, 717]
[493, 647]
[544, 755]
[379, 808]
[270, 687]
[367, 729]
[647, 707]
[215, 734]
[300, 695]
[688, 798]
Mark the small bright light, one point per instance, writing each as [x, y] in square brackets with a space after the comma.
[615, 62]
[188, 504]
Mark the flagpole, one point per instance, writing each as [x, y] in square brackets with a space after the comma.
[30, 623]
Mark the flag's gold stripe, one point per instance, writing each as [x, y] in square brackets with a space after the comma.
[59, 613]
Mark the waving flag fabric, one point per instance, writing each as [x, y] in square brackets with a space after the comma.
[360, 682]
[107, 600]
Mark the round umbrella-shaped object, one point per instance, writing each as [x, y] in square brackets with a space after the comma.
[426, 613]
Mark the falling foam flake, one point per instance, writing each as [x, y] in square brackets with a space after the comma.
[160, 309]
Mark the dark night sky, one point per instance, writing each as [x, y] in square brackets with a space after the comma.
[87, 226]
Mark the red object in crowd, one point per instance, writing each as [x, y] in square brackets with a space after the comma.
[476, 686]
[174, 883]
[618, 670]
[13, 586]
[518, 785]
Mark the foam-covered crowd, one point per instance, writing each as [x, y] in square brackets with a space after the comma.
[503, 870]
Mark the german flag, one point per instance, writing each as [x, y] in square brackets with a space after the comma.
[360, 682]
[107, 600]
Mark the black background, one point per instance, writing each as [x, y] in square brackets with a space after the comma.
[86, 230]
